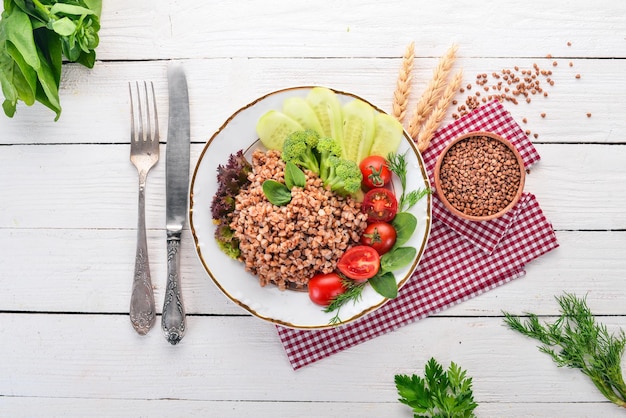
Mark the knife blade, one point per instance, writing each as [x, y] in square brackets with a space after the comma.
[173, 321]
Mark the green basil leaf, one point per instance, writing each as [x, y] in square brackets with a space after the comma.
[277, 193]
[64, 26]
[404, 224]
[294, 176]
[397, 258]
[70, 9]
[385, 284]
[19, 31]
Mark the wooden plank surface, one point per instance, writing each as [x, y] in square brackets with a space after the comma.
[68, 210]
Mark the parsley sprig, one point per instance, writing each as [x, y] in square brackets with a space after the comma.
[577, 341]
[444, 394]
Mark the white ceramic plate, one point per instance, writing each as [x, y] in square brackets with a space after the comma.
[287, 308]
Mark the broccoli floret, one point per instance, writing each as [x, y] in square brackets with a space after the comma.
[344, 176]
[327, 147]
[299, 148]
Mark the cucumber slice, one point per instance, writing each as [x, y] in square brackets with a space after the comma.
[358, 130]
[273, 127]
[389, 134]
[327, 107]
[298, 109]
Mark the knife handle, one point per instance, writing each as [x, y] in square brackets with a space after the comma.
[173, 322]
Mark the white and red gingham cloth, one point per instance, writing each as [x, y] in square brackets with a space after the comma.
[462, 260]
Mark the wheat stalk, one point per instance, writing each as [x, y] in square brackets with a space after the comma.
[439, 112]
[403, 85]
[433, 91]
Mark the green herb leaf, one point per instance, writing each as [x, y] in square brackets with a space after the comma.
[577, 341]
[414, 196]
[398, 165]
[27, 73]
[397, 258]
[385, 285]
[294, 176]
[34, 38]
[354, 291]
[277, 193]
[64, 26]
[404, 224]
[70, 9]
[19, 31]
[439, 394]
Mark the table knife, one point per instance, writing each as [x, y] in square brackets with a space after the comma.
[173, 322]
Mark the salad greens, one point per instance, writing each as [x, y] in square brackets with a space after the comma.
[577, 341]
[230, 179]
[442, 394]
[35, 36]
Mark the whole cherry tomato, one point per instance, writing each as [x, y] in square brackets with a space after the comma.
[380, 205]
[380, 236]
[375, 171]
[359, 263]
[323, 288]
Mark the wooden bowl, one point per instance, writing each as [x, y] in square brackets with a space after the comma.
[479, 176]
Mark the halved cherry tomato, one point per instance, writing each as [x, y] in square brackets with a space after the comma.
[323, 288]
[380, 236]
[380, 205]
[359, 263]
[375, 171]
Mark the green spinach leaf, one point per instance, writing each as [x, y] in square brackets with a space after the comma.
[385, 284]
[404, 224]
[398, 258]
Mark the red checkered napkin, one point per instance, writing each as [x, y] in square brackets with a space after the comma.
[493, 118]
[452, 270]
[455, 265]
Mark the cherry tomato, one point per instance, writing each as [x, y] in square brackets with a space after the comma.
[359, 263]
[380, 205]
[323, 288]
[380, 236]
[375, 171]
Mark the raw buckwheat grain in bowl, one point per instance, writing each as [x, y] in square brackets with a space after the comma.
[287, 245]
[479, 176]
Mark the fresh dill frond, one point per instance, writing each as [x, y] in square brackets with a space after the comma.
[354, 291]
[576, 340]
[398, 165]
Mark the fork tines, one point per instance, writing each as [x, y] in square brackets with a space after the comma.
[147, 134]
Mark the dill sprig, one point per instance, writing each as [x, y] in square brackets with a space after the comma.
[398, 165]
[577, 341]
[354, 291]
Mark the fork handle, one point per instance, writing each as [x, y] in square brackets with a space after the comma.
[173, 321]
[142, 309]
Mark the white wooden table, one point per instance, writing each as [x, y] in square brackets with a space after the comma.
[68, 211]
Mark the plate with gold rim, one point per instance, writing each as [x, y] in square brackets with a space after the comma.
[288, 308]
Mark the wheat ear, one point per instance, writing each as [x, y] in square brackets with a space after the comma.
[403, 85]
[432, 93]
[439, 112]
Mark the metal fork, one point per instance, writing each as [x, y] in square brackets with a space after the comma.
[144, 154]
